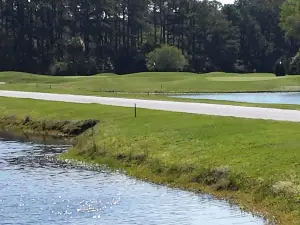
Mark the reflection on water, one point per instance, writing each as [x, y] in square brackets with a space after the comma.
[270, 98]
[34, 190]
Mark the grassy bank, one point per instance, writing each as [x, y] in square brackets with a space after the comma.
[253, 163]
[56, 128]
[153, 82]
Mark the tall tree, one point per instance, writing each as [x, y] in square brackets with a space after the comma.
[290, 18]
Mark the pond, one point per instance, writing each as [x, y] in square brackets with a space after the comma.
[35, 190]
[271, 98]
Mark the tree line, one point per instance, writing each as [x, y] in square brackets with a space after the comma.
[82, 37]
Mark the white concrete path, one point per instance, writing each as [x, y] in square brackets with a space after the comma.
[185, 107]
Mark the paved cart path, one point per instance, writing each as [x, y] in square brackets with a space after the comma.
[185, 107]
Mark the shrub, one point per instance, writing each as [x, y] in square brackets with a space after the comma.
[286, 188]
[166, 58]
[219, 178]
[279, 69]
[294, 64]
[59, 68]
[240, 67]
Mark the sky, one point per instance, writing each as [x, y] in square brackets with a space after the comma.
[226, 1]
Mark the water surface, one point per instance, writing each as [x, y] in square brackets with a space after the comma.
[36, 191]
[269, 98]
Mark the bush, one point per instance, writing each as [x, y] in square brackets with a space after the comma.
[286, 188]
[240, 67]
[279, 69]
[294, 64]
[86, 67]
[166, 58]
[59, 68]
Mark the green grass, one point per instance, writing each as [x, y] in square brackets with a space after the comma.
[208, 153]
[164, 97]
[131, 85]
[153, 82]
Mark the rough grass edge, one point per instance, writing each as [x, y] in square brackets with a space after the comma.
[54, 128]
[220, 182]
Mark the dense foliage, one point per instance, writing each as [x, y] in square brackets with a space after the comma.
[166, 58]
[279, 69]
[290, 18]
[90, 36]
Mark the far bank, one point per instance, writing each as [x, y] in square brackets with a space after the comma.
[151, 82]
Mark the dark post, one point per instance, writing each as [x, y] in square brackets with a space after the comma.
[134, 110]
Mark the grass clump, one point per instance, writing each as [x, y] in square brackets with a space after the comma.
[138, 157]
[218, 178]
[286, 188]
[59, 128]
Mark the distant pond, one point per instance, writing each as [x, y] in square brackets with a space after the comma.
[268, 97]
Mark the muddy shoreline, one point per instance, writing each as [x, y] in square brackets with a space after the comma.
[52, 128]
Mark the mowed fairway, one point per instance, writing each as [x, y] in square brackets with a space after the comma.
[150, 82]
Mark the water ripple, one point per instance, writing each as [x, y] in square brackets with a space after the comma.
[34, 189]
